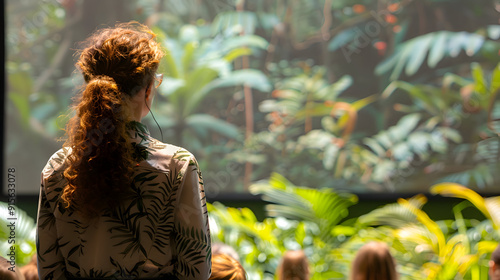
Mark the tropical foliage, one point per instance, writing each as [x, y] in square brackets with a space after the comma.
[315, 221]
[352, 95]
[342, 96]
[18, 232]
[318, 222]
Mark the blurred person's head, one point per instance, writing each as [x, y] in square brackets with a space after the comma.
[225, 267]
[30, 270]
[374, 262]
[294, 266]
[221, 248]
[495, 264]
[9, 270]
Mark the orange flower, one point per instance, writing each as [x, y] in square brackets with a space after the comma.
[381, 47]
[393, 7]
[358, 9]
[396, 28]
[276, 118]
[391, 19]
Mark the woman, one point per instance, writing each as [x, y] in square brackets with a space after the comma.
[225, 267]
[294, 266]
[374, 262]
[116, 203]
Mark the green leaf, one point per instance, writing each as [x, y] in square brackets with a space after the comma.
[438, 49]
[393, 214]
[249, 77]
[247, 41]
[387, 64]
[171, 85]
[207, 122]
[419, 142]
[473, 45]
[493, 32]
[196, 87]
[375, 146]
[330, 156]
[450, 133]
[323, 207]
[331, 92]
[438, 45]
[459, 191]
[234, 54]
[402, 152]
[402, 60]
[383, 170]
[169, 66]
[24, 234]
[408, 123]
[21, 83]
[188, 57]
[189, 34]
[495, 79]
[229, 20]
[419, 52]
[343, 38]
[479, 80]
[22, 105]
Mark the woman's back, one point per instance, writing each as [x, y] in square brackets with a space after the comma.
[115, 202]
[143, 236]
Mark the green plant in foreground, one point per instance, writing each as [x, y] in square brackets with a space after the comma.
[314, 220]
[22, 237]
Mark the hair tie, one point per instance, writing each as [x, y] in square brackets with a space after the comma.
[99, 79]
[102, 78]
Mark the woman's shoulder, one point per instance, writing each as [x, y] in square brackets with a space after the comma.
[56, 162]
[168, 156]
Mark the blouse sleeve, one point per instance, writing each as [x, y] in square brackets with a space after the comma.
[192, 243]
[51, 264]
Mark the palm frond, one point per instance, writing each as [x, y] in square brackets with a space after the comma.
[394, 215]
[436, 46]
[322, 207]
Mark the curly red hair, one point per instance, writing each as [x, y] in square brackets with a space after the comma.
[116, 64]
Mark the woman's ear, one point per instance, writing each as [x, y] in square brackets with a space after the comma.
[149, 90]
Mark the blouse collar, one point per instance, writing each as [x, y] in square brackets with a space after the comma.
[140, 140]
[138, 131]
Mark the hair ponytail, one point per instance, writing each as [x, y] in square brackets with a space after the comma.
[100, 158]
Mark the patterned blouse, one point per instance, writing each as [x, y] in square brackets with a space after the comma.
[160, 232]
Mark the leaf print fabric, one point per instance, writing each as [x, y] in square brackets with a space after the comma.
[159, 230]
